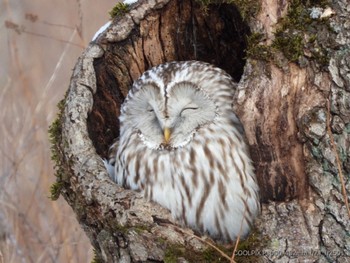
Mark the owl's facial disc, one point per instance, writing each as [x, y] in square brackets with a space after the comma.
[171, 121]
[188, 108]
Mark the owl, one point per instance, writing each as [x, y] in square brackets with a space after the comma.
[183, 147]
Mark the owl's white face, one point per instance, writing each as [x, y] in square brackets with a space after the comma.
[168, 118]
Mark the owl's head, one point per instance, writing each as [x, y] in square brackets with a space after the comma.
[167, 117]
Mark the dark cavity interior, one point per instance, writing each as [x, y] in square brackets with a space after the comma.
[182, 30]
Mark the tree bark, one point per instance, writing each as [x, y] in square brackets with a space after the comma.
[282, 102]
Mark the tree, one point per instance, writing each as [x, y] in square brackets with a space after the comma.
[292, 63]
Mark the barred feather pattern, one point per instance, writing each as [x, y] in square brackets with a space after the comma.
[204, 174]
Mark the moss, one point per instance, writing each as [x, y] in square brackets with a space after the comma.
[55, 130]
[161, 240]
[297, 34]
[140, 228]
[119, 9]
[121, 229]
[250, 249]
[322, 57]
[55, 190]
[172, 253]
[290, 45]
[298, 17]
[55, 138]
[96, 258]
[298, 37]
[211, 255]
[247, 8]
[125, 229]
[247, 251]
[256, 50]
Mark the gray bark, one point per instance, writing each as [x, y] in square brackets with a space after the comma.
[284, 111]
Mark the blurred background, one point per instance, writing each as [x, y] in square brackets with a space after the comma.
[40, 42]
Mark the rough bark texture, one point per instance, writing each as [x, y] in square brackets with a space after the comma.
[284, 111]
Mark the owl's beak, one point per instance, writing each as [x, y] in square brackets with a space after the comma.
[167, 134]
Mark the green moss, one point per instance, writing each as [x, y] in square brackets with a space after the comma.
[297, 33]
[161, 240]
[55, 130]
[55, 190]
[211, 255]
[298, 17]
[55, 138]
[290, 45]
[175, 251]
[248, 250]
[245, 251]
[125, 229]
[172, 253]
[140, 228]
[297, 37]
[256, 50]
[321, 56]
[119, 9]
[247, 8]
[96, 258]
[121, 229]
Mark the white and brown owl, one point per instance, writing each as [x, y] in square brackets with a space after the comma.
[182, 145]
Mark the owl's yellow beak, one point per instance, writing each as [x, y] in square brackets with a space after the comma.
[167, 134]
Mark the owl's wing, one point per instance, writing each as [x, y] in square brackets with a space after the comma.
[110, 163]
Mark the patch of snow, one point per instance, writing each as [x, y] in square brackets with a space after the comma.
[103, 28]
[129, 2]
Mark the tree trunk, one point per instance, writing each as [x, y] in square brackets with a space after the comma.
[290, 59]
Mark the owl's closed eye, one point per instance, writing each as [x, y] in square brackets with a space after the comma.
[169, 119]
